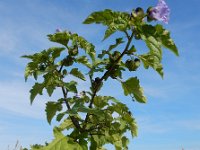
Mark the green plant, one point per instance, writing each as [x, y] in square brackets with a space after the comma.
[92, 120]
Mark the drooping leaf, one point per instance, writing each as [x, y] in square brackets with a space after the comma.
[112, 28]
[132, 87]
[56, 51]
[36, 89]
[50, 90]
[84, 60]
[125, 142]
[131, 122]
[154, 57]
[51, 109]
[75, 72]
[166, 40]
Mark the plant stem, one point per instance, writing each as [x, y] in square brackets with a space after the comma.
[64, 91]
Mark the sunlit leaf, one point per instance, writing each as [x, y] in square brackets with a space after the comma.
[132, 87]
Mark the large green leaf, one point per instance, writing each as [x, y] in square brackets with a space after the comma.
[132, 87]
[36, 89]
[114, 20]
[106, 17]
[61, 142]
[154, 57]
[160, 34]
[51, 109]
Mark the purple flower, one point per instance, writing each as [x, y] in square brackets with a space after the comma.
[160, 12]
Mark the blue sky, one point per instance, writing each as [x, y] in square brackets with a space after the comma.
[171, 118]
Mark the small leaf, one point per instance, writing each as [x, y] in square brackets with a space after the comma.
[132, 87]
[112, 28]
[50, 90]
[71, 86]
[60, 116]
[118, 42]
[75, 72]
[51, 109]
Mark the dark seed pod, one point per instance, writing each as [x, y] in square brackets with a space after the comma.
[42, 67]
[68, 61]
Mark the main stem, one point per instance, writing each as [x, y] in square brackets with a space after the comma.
[107, 74]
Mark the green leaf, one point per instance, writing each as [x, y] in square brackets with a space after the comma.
[51, 109]
[60, 37]
[75, 72]
[113, 28]
[30, 69]
[106, 17]
[84, 144]
[84, 44]
[132, 87]
[125, 142]
[160, 34]
[114, 20]
[36, 89]
[131, 122]
[166, 40]
[50, 90]
[56, 51]
[61, 142]
[71, 86]
[66, 124]
[60, 116]
[150, 59]
[102, 101]
[84, 60]
[117, 43]
[154, 57]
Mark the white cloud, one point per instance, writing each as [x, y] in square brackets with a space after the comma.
[15, 99]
